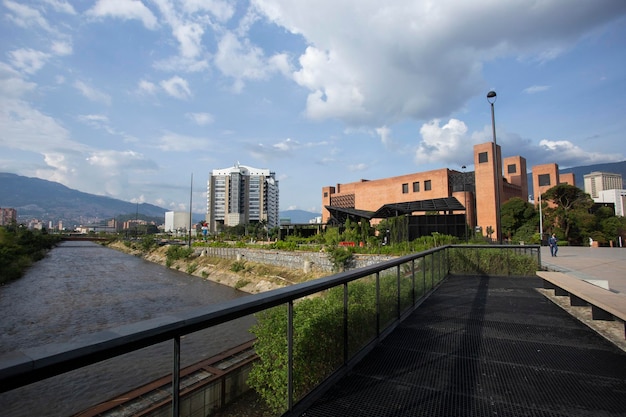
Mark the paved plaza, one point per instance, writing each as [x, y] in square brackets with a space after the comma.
[608, 264]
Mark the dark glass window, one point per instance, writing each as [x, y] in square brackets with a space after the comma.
[416, 187]
[427, 185]
[405, 188]
[483, 157]
[326, 194]
[512, 169]
[544, 179]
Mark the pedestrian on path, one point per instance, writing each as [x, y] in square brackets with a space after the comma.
[554, 247]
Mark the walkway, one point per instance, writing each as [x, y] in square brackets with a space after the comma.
[590, 263]
[491, 346]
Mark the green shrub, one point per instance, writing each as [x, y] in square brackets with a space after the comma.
[238, 266]
[192, 267]
[241, 283]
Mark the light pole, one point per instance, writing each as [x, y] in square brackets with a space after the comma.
[491, 98]
[465, 197]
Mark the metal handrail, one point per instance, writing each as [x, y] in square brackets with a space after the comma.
[30, 365]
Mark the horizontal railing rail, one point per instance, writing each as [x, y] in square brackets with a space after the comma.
[38, 363]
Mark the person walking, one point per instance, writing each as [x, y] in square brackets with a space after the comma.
[554, 247]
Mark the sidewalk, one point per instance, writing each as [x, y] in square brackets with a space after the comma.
[608, 264]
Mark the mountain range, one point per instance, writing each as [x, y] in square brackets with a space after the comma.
[34, 198]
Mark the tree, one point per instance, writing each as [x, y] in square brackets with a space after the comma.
[567, 201]
[516, 213]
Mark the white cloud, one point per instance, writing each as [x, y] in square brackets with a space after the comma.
[221, 10]
[357, 167]
[569, 154]
[385, 135]
[374, 64]
[125, 10]
[176, 87]
[92, 93]
[61, 48]
[243, 61]
[442, 143]
[190, 37]
[146, 87]
[201, 119]
[28, 60]
[173, 142]
[25, 16]
[61, 6]
[536, 89]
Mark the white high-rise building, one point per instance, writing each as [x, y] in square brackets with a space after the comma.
[596, 181]
[240, 195]
[176, 221]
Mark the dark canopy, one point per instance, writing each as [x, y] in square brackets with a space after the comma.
[449, 204]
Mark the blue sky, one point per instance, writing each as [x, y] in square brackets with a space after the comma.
[130, 98]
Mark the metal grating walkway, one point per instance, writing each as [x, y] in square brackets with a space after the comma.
[485, 347]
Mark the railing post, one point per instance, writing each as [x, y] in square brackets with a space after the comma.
[345, 323]
[423, 275]
[398, 308]
[432, 271]
[412, 282]
[290, 355]
[176, 378]
[377, 304]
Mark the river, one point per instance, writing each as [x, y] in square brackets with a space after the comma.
[82, 288]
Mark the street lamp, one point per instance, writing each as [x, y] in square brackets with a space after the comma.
[491, 98]
[465, 197]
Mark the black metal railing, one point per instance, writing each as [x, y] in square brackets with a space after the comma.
[411, 278]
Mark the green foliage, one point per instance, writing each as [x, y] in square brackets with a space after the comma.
[570, 204]
[241, 283]
[175, 252]
[516, 214]
[192, 267]
[19, 248]
[289, 245]
[148, 243]
[318, 338]
[238, 266]
[340, 257]
[496, 262]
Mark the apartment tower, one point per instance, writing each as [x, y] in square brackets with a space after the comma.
[241, 195]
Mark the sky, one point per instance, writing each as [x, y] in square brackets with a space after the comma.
[141, 100]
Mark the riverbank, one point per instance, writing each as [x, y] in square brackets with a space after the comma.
[247, 276]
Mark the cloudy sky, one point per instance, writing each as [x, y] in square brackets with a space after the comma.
[130, 98]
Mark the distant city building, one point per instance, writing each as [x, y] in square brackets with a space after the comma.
[615, 196]
[176, 220]
[596, 181]
[241, 195]
[7, 216]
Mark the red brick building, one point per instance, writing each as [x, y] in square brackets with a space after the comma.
[472, 194]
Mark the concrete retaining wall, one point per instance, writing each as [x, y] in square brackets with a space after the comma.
[306, 261]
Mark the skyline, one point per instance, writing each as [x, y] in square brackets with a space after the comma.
[129, 99]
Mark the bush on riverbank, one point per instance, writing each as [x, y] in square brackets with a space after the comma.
[19, 248]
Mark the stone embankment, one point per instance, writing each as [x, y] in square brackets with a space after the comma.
[240, 273]
[251, 270]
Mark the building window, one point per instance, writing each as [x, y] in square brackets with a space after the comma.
[326, 194]
[512, 169]
[405, 188]
[416, 187]
[427, 185]
[544, 179]
[483, 157]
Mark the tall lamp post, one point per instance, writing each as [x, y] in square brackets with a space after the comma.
[465, 197]
[491, 98]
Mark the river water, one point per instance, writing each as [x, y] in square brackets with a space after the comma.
[82, 288]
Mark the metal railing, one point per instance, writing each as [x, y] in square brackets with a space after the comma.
[409, 280]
